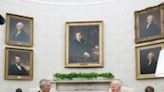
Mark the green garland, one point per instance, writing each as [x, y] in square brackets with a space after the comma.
[92, 75]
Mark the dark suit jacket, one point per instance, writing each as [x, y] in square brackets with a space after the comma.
[148, 69]
[152, 30]
[77, 50]
[13, 70]
[22, 37]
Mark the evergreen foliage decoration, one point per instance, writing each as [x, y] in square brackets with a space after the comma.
[92, 75]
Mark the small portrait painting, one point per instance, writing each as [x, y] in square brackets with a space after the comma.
[84, 44]
[149, 24]
[147, 59]
[19, 30]
[18, 64]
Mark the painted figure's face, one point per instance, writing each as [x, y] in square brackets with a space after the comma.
[19, 26]
[149, 19]
[151, 56]
[78, 36]
[17, 59]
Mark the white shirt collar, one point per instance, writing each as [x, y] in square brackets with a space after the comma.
[149, 62]
[18, 66]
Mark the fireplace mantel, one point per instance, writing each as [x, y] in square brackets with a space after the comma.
[82, 85]
[83, 81]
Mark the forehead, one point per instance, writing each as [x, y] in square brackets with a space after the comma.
[19, 24]
[47, 83]
[17, 57]
[150, 17]
[78, 33]
[150, 54]
[114, 84]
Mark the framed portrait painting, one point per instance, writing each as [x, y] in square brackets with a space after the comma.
[84, 44]
[149, 24]
[19, 30]
[146, 60]
[18, 64]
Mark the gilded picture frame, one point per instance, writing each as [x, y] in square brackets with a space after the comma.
[19, 30]
[84, 44]
[149, 24]
[18, 64]
[146, 60]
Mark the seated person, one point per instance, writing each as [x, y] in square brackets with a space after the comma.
[149, 89]
[116, 86]
[45, 85]
[18, 90]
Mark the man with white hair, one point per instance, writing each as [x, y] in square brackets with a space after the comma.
[149, 66]
[150, 28]
[19, 35]
[45, 85]
[116, 86]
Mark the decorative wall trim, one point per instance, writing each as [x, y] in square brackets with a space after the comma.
[72, 2]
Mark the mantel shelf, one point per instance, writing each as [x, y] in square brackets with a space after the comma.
[84, 81]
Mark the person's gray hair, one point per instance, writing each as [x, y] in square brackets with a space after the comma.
[116, 82]
[20, 23]
[43, 82]
[152, 16]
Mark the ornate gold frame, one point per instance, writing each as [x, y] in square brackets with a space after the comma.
[100, 39]
[138, 39]
[29, 31]
[18, 77]
[138, 64]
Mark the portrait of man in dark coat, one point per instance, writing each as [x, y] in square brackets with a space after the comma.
[149, 66]
[150, 28]
[149, 60]
[84, 44]
[16, 68]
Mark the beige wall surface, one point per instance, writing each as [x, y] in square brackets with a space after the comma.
[49, 39]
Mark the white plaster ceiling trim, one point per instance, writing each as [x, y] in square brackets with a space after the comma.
[71, 2]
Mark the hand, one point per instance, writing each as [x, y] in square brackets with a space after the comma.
[86, 54]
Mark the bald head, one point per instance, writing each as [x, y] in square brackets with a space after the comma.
[116, 86]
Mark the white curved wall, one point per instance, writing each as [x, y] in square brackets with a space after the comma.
[49, 39]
